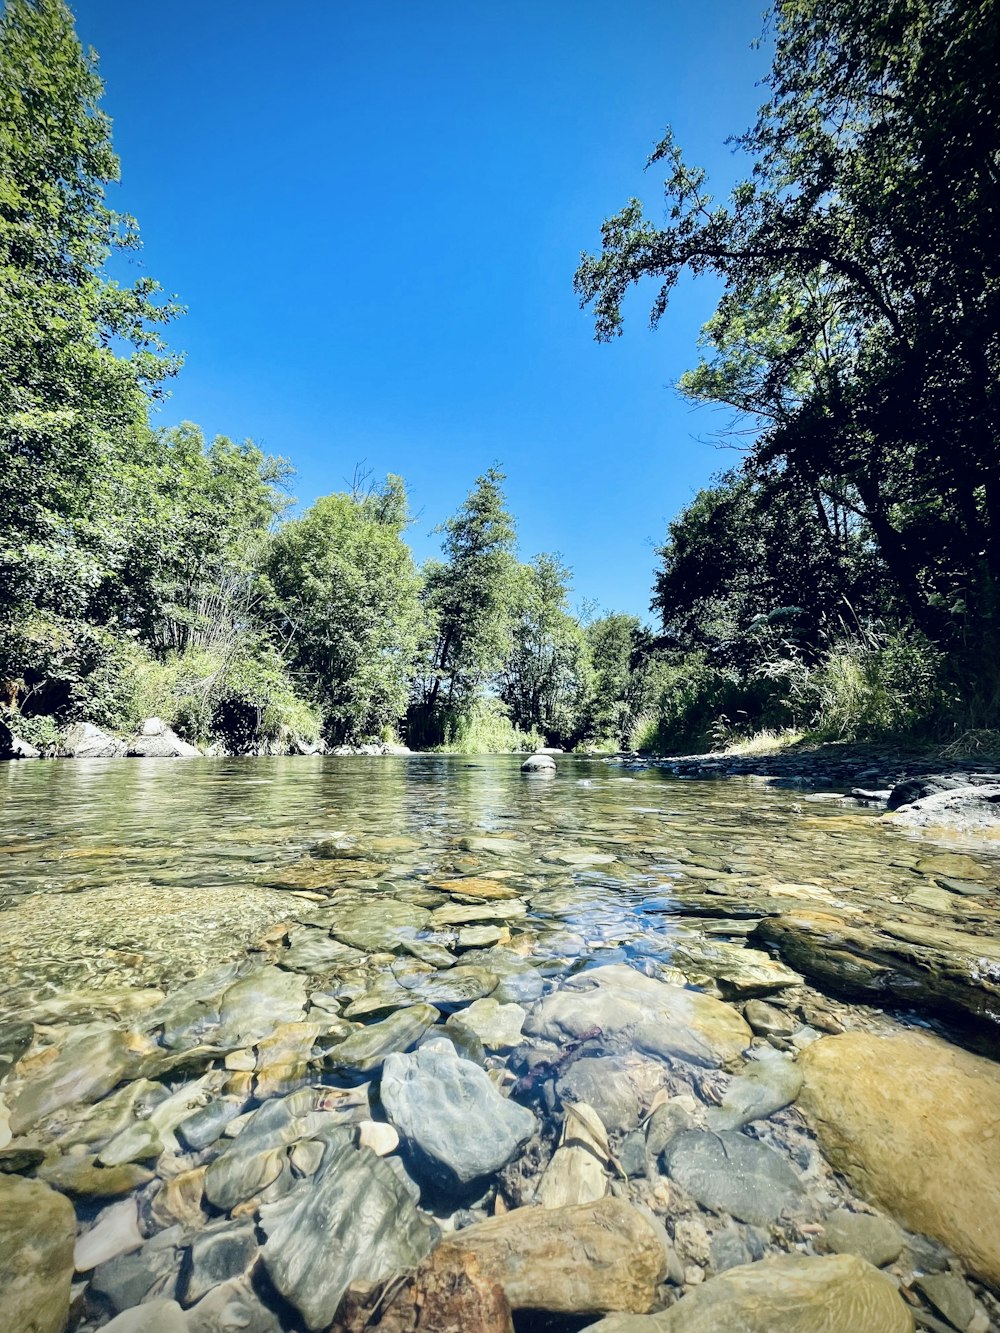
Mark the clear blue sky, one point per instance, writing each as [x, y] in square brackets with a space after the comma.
[373, 212]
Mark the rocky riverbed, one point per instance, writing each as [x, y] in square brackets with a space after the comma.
[434, 1045]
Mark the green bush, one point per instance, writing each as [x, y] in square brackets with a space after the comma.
[486, 728]
[877, 684]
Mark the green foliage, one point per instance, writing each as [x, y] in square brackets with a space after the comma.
[471, 599]
[857, 339]
[546, 678]
[72, 406]
[878, 684]
[485, 727]
[619, 649]
[346, 607]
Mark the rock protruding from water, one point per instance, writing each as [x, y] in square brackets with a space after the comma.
[155, 740]
[85, 741]
[352, 1221]
[580, 1260]
[627, 1009]
[912, 1122]
[791, 1294]
[539, 764]
[456, 1125]
[37, 1232]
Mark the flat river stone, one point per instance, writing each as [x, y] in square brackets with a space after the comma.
[260, 1153]
[453, 988]
[37, 1233]
[765, 1086]
[626, 1009]
[731, 1173]
[456, 1124]
[585, 1259]
[353, 1221]
[85, 1068]
[790, 1294]
[379, 926]
[367, 1048]
[913, 1122]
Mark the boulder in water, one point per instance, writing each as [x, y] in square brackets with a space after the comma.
[912, 1121]
[37, 1233]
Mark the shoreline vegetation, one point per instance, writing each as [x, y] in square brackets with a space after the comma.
[840, 582]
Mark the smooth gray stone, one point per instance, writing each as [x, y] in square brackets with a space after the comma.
[453, 988]
[632, 1154]
[315, 951]
[233, 1307]
[216, 1256]
[379, 926]
[877, 1239]
[666, 1122]
[88, 1066]
[731, 1173]
[85, 741]
[729, 1250]
[368, 1048]
[161, 1316]
[206, 1125]
[352, 1221]
[602, 1083]
[539, 763]
[765, 1086]
[455, 1123]
[150, 1272]
[950, 1296]
[258, 1156]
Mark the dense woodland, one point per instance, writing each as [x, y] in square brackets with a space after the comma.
[840, 579]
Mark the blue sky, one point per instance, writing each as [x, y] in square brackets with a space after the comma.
[373, 212]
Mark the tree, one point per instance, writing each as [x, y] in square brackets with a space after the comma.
[190, 555]
[545, 679]
[471, 598]
[620, 650]
[346, 608]
[72, 402]
[859, 328]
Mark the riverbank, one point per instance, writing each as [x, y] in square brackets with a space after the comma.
[928, 787]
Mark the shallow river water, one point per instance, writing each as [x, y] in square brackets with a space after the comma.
[286, 1032]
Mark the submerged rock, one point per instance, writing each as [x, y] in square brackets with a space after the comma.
[353, 1221]
[115, 1232]
[160, 1316]
[731, 1173]
[456, 1125]
[624, 1008]
[260, 1154]
[790, 1294]
[37, 1233]
[764, 1086]
[379, 926]
[498, 1026]
[912, 1122]
[367, 1048]
[86, 1067]
[581, 1260]
[877, 1239]
[915, 962]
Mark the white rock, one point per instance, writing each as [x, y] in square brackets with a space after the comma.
[115, 1232]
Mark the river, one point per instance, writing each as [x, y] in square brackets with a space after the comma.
[239, 994]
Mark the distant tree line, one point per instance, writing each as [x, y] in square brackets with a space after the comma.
[150, 572]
